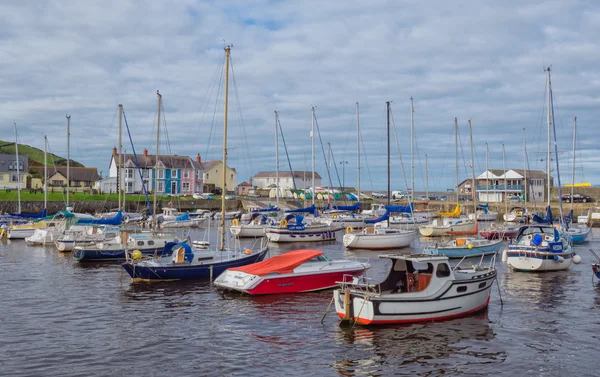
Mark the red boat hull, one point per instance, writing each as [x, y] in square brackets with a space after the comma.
[496, 235]
[301, 283]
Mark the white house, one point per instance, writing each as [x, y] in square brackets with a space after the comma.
[490, 185]
[303, 179]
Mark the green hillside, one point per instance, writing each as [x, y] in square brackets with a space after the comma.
[35, 155]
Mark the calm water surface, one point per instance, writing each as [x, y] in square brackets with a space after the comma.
[62, 318]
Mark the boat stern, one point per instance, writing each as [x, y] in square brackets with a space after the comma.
[236, 281]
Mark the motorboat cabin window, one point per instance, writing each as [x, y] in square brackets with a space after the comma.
[443, 271]
[462, 288]
[140, 243]
[536, 230]
[150, 242]
[482, 285]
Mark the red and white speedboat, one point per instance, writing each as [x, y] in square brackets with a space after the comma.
[292, 272]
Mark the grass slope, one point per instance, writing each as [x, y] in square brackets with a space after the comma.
[35, 155]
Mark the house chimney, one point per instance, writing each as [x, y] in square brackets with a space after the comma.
[115, 151]
[198, 159]
[145, 152]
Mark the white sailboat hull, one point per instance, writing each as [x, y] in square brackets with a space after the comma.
[379, 241]
[280, 235]
[248, 230]
[461, 228]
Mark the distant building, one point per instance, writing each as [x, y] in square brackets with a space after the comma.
[80, 179]
[244, 188]
[303, 180]
[8, 171]
[490, 185]
[213, 176]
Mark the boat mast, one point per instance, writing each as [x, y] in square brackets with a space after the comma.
[223, 192]
[473, 172]
[573, 173]
[426, 177]
[456, 145]
[388, 157]
[120, 161]
[45, 171]
[525, 188]
[312, 140]
[358, 148]
[68, 156]
[277, 158]
[412, 152]
[154, 217]
[504, 165]
[487, 172]
[550, 120]
[18, 170]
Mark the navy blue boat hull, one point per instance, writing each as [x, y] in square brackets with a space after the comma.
[189, 272]
[90, 255]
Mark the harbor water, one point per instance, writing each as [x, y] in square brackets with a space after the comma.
[59, 317]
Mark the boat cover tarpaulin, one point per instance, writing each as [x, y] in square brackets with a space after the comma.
[383, 217]
[30, 215]
[310, 209]
[354, 207]
[115, 220]
[483, 207]
[183, 217]
[454, 213]
[280, 264]
[401, 209]
[545, 220]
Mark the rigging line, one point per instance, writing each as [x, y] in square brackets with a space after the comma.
[362, 143]
[337, 173]
[462, 153]
[245, 146]
[137, 164]
[322, 150]
[55, 170]
[398, 150]
[289, 163]
[209, 91]
[209, 142]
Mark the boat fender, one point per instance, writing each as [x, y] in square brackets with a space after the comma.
[247, 251]
[470, 246]
[283, 223]
[504, 256]
[136, 254]
[235, 222]
[576, 259]
[349, 229]
[559, 259]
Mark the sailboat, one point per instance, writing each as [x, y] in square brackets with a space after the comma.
[467, 246]
[577, 232]
[540, 247]
[450, 223]
[295, 227]
[177, 260]
[381, 237]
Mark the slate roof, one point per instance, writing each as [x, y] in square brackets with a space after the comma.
[287, 174]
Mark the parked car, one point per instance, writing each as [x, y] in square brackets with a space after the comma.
[379, 195]
[207, 195]
[577, 198]
[514, 199]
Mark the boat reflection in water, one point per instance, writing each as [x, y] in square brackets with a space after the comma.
[457, 347]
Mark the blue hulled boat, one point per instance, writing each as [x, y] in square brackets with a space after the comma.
[466, 247]
[179, 262]
[115, 250]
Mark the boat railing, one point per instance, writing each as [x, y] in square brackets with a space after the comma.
[361, 284]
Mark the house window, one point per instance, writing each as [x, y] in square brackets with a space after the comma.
[161, 187]
[161, 173]
[146, 173]
[232, 177]
[186, 173]
[14, 178]
[197, 174]
[128, 173]
[186, 186]
[56, 182]
[173, 173]
[206, 176]
[1, 177]
[129, 187]
[76, 183]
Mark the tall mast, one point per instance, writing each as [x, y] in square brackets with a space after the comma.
[68, 156]
[550, 120]
[504, 166]
[18, 170]
[312, 140]
[388, 155]
[426, 177]
[525, 187]
[45, 172]
[573, 173]
[456, 144]
[120, 160]
[473, 171]
[412, 152]
[487, 171]
[329, 166]
[277, 158]
[154, 216]
[358, 148]
[224, 190]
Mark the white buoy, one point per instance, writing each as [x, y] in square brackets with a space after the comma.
[558, 259]
[576, 259]
[504, 256]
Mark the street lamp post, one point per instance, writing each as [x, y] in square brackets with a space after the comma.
[343, 163]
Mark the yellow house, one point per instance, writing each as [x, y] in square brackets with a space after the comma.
[212, 175]
[81, 179]
[9, 179]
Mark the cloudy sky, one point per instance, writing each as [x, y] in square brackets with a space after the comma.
[474, 60]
